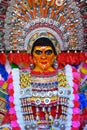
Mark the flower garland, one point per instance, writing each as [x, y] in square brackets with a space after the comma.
[83, 93]
[13, 99]
[4, 82]
[20, 58]
[25, 59]
[72, 58]
[73, 82]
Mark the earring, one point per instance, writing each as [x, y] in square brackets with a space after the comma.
[32, 66]
[31, 61]
[55, 64]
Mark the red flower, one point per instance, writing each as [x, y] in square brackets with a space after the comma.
[76, 80]
[10, 57]
[76, 117]
[82, 56]
[12, 104]
[74, 90]
[10, 80]
[2, 58]
[16, 128]
[13, 117]
[11, 92]
[76, 103]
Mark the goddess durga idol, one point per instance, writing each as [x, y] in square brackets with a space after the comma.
[45, 97]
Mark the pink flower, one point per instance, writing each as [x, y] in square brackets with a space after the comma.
[14, 123]
[12, 111]
[76, 110]
[10, 86]
[75, 86]
[75, 74]
[76, 96]
[11, 98]
[1, 82]
[75, 124]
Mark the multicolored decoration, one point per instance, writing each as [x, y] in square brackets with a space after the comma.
[47, 98]
[43, 102]
[83, 93]
[59, 20]
[4, 96]
[25, 59]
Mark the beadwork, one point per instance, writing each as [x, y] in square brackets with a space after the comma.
[45, 105]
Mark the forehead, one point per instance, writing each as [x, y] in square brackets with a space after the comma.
[43, 48]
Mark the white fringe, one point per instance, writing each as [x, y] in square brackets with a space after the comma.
[16, 82]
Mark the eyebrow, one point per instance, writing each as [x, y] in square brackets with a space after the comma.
[49, 51]
[42, 50]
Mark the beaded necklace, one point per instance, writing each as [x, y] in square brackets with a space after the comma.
[43, 97]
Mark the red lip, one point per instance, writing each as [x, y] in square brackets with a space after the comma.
[43, 62]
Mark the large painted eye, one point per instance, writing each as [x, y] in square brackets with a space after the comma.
[48, 52]
[38, 52]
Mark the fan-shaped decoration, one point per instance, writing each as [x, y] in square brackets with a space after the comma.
[3, 8]
[83, 11]
[60, 18]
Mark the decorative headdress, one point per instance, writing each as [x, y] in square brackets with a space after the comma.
[31, 38]
[27, 20]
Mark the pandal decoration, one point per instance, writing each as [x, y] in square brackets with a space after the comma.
[83, 93]
[4, 104]
[37, 108]
[59, 19]
[52, 104]
[25, 59]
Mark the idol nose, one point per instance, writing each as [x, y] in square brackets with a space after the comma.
[43, 56]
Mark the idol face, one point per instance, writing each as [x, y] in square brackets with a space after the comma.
[43, 57]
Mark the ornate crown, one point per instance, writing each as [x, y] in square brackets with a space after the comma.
[31, 38]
